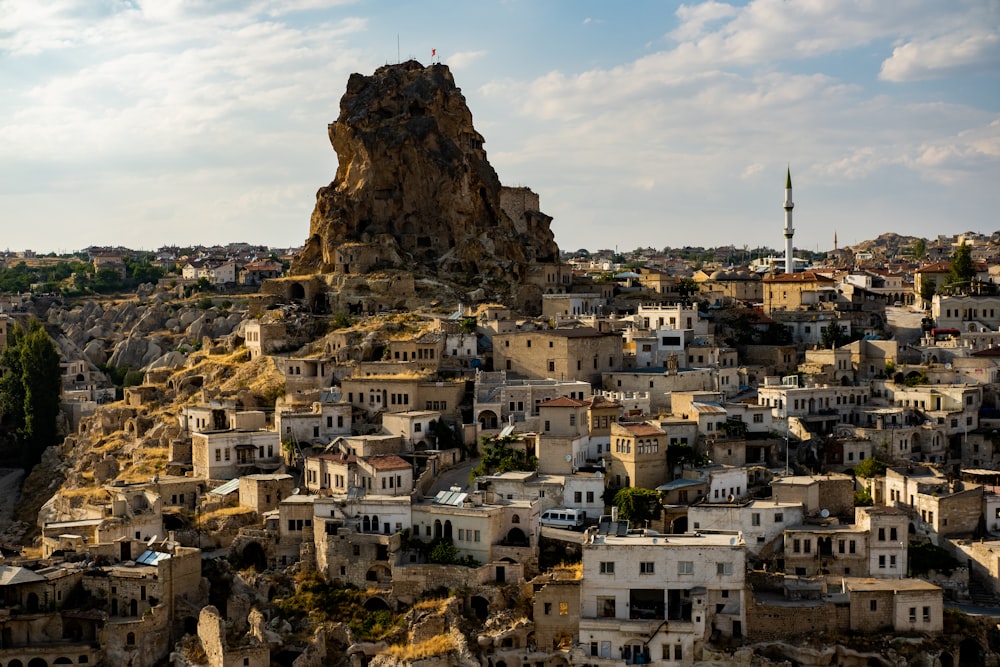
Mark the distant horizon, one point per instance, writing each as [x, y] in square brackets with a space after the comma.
[563, 250]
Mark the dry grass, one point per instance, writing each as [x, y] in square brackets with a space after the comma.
[85, 494]
[568, 571]
[438, 605]
[438, 645]
[152, 461]
[221, 513]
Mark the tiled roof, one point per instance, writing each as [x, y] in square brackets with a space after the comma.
[387, 462]
[562, 402]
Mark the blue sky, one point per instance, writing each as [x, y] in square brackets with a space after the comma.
[638, 123]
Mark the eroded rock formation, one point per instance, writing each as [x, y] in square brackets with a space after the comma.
[414, 190]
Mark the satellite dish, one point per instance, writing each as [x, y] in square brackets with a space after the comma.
[597, 475]
[824, 513]
[296, 491]
[730, 498]
[569, 457]
[150, 541]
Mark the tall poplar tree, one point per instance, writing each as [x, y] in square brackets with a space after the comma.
[30, 389]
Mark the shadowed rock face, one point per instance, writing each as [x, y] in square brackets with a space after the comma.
[415, 191]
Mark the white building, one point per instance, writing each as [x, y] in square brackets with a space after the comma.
[653, 599]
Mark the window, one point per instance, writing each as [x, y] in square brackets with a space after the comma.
[853, 546]
[892, 534]
[590, 496]
[873, 605]
[796, 546]
[606, 607]
[779, 517]
[578, 496]
[881, 534]
[646, 567]
[927, 614]
[913, 614]
[607, 567]
[564, 608]
[723, 569]
[678, 652]
[881, 562]
[758, 418]
[755, 519]
[685, 567]
[548, 608]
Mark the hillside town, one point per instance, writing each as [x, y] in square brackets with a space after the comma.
[430, 436]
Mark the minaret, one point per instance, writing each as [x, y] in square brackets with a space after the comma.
[789, 232]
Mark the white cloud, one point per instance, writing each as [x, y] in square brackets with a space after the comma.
[941, 56]
[462, 59]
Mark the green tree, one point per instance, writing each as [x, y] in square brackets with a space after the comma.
[637, 505]
[30, 388]
[928, 288]
[919, 249]
[870, 467]
[963, 269]
[687, 287]
[499, 456]
[834, 335]
[42, 381]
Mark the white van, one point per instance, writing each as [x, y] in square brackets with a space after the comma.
[562, 517]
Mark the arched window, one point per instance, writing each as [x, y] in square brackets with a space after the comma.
[374, 523]
[130, 639]
[515, 519]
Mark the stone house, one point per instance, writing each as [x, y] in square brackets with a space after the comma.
[938, 506]
[637, 456]
[232, 453]
[564, 439]
[402, 393]
[501, 400]
[798, 291]
[761, 522]
[660, 382]
[833, 492]
[372, 444]
[320, 423]
[582, 491]
[256, 272]
[263, 493]
[413, 426]
[676, 316]
[425, 351]
[904, 605]
[581, 353]
[654, 599]
[556, 609]
[337, 473]
[265, 338]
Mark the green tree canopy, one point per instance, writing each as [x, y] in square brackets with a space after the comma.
[499, 457]
[637, 505]
[30, 389]
[919, 249]
[834, 335]
[963, 269]
[870, 467]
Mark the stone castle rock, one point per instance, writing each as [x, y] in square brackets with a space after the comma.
[414, 192]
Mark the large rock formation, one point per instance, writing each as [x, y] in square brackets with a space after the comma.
[415, 191]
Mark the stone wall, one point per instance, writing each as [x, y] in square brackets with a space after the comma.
[769, 620]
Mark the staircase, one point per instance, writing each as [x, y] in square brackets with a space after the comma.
[980, 595]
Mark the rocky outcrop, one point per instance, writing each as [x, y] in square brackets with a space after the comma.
[414, 190]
